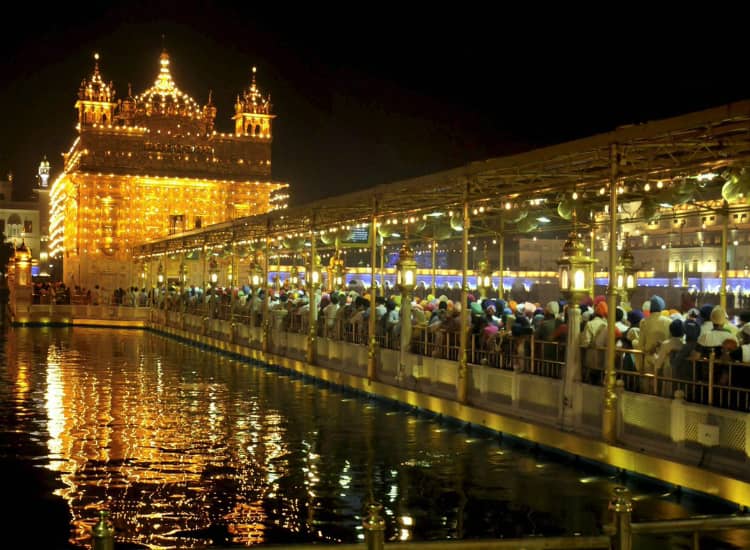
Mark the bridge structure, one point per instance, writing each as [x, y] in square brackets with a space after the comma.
[622, 190]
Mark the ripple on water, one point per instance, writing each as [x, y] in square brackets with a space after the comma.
[187, 449]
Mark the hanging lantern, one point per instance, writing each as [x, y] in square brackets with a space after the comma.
[574, 269]
[160, 274]
[406, 269]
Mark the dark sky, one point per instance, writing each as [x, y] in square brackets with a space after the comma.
[366, 94]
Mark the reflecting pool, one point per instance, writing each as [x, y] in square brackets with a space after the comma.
[188, 448]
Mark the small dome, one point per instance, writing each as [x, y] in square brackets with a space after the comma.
[23, 253]
[95, 89]
[164, 98]
[252, 100]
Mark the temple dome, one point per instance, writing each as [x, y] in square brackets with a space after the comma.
[165, 99]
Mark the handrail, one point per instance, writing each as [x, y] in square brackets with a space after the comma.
[701, 523]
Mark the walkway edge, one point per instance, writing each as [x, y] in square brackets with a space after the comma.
[659, 468]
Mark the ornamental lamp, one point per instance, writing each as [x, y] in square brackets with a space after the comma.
[574, 269]
[213, 271]
[293, 277]
[315, 273]
[256, 276]
[484, 278]
[160, 274]
[627, 274]
[406, 269]
[339, 273]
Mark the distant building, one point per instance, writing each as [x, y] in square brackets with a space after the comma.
[151, 165]
[20, 222]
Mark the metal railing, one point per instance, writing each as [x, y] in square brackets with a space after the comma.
[618, 535]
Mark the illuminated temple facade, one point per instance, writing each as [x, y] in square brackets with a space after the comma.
[151, 165]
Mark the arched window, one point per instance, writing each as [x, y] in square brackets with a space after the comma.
[14, 225]
[257, 130]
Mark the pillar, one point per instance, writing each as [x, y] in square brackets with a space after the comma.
[609, 416]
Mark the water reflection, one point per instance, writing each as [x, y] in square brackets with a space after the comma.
[188, 448]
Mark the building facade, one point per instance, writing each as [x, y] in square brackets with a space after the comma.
[152, 165]
[20, 222]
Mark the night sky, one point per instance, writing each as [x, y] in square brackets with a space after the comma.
[366, 94]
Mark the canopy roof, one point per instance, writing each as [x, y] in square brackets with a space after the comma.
[679, 164]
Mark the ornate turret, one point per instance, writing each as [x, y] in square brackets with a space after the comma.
[209, 113]
[253, 112]
[43, 173]
[96, 99]
[127, 108]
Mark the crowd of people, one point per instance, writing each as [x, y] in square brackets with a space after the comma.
[659, 349]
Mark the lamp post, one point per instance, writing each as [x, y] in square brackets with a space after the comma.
[183, 276]
[575, 281]
[313, 284]
[257, 282]
[484, 278]
[256, 277]
[160, 275]
[339, 273]
[627, 278]
[406, 278]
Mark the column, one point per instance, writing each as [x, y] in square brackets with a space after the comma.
[312, 332]
[371, 327]
[724, 238]
[609, 417]
[463, 367]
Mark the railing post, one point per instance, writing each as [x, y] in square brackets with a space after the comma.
[374, 526]
[677, 418]
[619, 408]
[531, 356]
[103, 534]
[711, 359]
[621, 505]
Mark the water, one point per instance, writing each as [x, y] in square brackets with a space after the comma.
[188, 448]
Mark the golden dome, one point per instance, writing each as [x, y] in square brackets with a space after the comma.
[164, 98]
[23, 254]
[95, 89]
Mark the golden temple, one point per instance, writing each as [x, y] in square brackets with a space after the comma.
[152, 165]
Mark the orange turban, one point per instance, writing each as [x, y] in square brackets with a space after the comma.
[601, 309]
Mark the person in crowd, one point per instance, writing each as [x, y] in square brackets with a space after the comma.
[545, 332]
[593, 339]
[666, 357]
[654, 330]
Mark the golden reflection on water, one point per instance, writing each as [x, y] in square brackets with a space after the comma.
[134, 428]
[188, 448]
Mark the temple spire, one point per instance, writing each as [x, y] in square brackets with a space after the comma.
[96, 99]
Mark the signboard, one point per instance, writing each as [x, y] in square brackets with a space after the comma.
[357, 237]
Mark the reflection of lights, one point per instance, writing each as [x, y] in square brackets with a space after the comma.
[55, 408]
